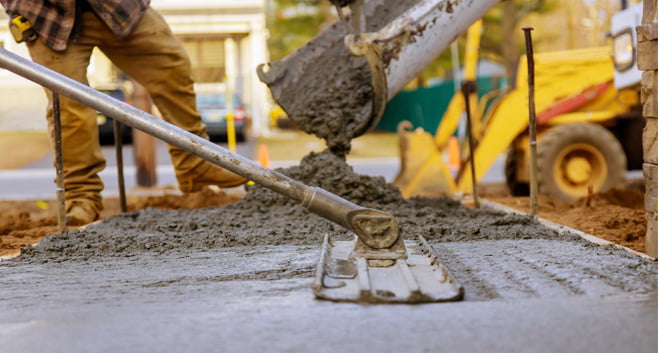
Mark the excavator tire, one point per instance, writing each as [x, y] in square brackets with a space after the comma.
[516, 187]
[573, 157]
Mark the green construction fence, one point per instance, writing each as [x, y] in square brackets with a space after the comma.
[424, 107]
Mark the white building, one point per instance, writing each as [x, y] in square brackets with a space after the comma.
[22, 103]
[225, 40]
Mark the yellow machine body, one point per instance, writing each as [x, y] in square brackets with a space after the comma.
[572, 86]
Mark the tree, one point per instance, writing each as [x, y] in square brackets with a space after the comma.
[501, 37]
[294, 22]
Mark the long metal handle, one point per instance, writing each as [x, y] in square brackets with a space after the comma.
[318, 201]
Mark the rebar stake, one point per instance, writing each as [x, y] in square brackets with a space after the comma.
[468, 87]
[59, 164]
[532, 125]
[118, 146]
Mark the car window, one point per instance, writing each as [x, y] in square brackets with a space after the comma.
[236, 102]
[211, 100]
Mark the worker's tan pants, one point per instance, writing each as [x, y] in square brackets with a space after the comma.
[152, 56]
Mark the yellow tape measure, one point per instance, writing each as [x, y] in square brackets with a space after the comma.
[22, 30]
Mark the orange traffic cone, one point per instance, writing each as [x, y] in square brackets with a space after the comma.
[454, 159]
[264, 156]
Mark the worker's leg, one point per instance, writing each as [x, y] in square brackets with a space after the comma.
[155, 58]
[82, 157]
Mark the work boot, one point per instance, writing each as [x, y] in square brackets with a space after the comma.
[209, 174]
[80, 214]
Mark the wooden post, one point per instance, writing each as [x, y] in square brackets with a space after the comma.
[510, 44]
[144, 145]
[647, 50]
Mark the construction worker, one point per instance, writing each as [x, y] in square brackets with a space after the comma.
[140, 43]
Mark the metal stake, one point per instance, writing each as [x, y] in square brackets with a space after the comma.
[59, 164]
[118, 146]
[468, 87]
[532, 126]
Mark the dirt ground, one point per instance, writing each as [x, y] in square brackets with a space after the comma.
[616, 215]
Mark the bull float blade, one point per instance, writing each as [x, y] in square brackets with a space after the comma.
[420, 278]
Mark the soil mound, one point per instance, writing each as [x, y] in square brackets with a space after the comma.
[616, 215]
[628, 198]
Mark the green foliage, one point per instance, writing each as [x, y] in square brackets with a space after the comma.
[294, 22]
[493, 34]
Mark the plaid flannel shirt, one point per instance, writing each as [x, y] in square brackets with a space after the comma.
[54, 20]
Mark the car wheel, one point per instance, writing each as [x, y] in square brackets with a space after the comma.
[240, 136]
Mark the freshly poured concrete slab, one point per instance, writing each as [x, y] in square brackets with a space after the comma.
[256, 300]
[238, 279]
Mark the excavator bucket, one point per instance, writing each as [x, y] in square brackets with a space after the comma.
[418, 278]
[423, 171]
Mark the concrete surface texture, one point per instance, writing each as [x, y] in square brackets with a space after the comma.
[237, 279]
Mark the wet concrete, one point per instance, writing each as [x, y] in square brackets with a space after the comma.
[263, 217]
[237, 278]
[326, 90]
[196, 303]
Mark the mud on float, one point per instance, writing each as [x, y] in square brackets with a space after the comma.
[379, 265]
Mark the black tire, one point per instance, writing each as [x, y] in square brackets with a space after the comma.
[572, 157]
[240, 136]
[631, 140]
[515, 187]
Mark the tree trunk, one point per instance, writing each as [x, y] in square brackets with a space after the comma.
[510, 38]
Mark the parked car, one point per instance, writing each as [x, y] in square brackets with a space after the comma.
[106, 124]
[213, 110]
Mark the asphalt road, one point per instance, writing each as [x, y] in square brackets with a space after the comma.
[36, 180]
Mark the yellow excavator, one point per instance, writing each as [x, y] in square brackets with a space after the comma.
[337, 85]
[589, 132]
